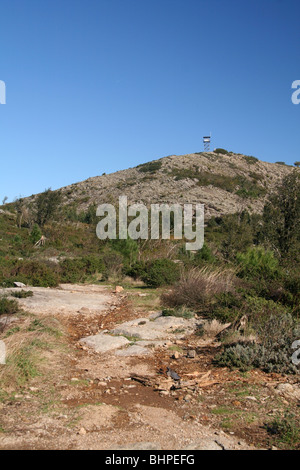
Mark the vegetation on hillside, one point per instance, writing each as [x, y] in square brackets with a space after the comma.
[247, 273]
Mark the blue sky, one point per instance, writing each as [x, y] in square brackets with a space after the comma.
[96, 86]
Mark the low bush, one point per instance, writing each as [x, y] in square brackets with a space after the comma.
[234, 184]
[78, 269]
[8, 306]
[272, 352]
[204, 256]
[257, 263]
[150, 167]
[136, 271]
[251, 160]
[161, 272]
[221, 151]
[179, 312]
[291, 295]
[238, 356]
[285, 430]
[227, 307]
[22, 294]
[128, 248]
[113, 264]
[35, 234]
[35, 273]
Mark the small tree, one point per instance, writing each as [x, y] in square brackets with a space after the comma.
[282, 214]
[257, 263]
[35, 234]
[22, 212]
[47, 204]
[161, 272]
[297, 164]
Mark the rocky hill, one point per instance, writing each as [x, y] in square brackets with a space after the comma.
[224, 182]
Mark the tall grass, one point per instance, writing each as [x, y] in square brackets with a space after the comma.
[197, 287]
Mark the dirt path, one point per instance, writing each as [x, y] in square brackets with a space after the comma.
[89, 400]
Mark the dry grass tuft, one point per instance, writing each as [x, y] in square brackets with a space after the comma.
[196, 287]
[212, 328]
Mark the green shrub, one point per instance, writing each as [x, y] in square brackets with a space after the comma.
[22, 294]
[179, 312]
[239, 356]
[281, 216]
[285, 429]
[292, 285]
[93, 264]
[251, 160]
[35, 273]
[257, 263]
[78, 269]
[128, 248]
[89, 216]
[137, 270]
[236, 231]
[204, 255]
[8, 306]
[222, 151]
[17, 240]
[35, 234]
[150, 167]
[271, 353]
[47, 204]
[161, 272]
[113, 263]
[233, 184]
[227, 307]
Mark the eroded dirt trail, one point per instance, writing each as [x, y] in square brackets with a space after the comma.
[91, 400]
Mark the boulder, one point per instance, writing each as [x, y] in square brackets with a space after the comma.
[19, 284]
[289, 391]
[118, 289]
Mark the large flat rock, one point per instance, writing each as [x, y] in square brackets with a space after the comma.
[66, 299]
[134, 350]
[102, 342]
[160, 328]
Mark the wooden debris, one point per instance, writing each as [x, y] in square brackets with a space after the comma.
[41, 241]
[167, 384]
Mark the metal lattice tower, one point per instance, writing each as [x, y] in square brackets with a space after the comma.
[206, 143]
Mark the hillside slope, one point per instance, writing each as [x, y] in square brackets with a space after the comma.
[225, 183]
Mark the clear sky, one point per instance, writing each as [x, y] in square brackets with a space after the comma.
[97, 86]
